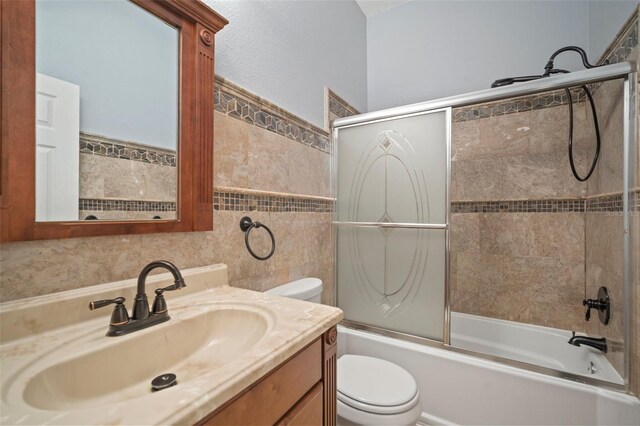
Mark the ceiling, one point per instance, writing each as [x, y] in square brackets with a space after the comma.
[372, 7]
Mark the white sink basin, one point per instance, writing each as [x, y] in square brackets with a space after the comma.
[95, 370]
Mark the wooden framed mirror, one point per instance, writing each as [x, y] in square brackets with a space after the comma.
[124, 117]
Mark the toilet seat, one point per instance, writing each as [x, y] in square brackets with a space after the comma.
[375, 386]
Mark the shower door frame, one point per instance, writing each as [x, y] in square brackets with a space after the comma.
[625, 71]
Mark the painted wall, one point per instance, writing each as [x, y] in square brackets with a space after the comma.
[606, 18]
[124, 60]
[288, 51]
[425, 50]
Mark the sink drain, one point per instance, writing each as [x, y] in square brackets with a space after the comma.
[163, 381]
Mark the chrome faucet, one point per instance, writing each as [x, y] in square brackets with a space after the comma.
[141, 317]
[599, 344]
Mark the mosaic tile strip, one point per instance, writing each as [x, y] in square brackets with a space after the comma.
[626, 40]
[126, 205]
[511, 106]
[613, 203]
[236, 102]
[339, 106]
[524, 206]
[114, 148]
[235, 201]
[606, 203]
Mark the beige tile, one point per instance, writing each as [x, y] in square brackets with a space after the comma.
[540, 176]
[465, 140]
[477, 179]
[231, 164]
[465, 232]
[478, 281]
[504, 135]
[307, 173]
[268, 161]
[557, 235]
[92, 177]
[506, 234]
[604, 259]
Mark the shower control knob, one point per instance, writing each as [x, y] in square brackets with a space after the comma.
[602, 304]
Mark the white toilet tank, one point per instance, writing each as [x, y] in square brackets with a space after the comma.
[309, 289]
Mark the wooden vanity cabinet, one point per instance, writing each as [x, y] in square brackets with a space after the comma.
[300, 391]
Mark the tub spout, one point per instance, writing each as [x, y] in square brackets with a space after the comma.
[599, 344]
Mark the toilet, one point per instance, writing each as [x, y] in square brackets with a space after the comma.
[371, 391]
[309, 289]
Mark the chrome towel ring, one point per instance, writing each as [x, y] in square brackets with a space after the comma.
[246, 224]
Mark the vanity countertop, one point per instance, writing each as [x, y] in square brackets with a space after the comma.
[51, 331]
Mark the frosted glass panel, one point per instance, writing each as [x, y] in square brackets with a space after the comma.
[393, 278]
[393, 171]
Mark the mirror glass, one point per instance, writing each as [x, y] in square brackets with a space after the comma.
[107, 101]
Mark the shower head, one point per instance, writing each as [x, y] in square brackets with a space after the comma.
[510, 80]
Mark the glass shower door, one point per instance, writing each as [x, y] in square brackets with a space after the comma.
[392, 219]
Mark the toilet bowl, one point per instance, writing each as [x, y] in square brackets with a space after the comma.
[371, 391]
[309, 289]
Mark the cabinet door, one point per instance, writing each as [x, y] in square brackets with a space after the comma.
[307, 412]
[273, 397]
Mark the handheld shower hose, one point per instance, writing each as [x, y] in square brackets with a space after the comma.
[548, 71]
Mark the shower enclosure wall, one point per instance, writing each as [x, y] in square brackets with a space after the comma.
[459, 223]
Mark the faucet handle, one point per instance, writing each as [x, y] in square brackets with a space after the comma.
[119, 315]
[102, 303]
[587, 303]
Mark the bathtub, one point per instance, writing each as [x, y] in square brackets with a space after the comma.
[533, 344]
[462, 389]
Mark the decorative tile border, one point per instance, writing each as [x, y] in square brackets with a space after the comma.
[511, 106]
[603, 203]
[519, 206]
[612, 203]
[115, 148]
[626, 39]
[126, 205]
[265, 202]
[339, 106]
[234, 101]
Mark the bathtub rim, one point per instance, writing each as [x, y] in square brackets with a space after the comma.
[601, 384]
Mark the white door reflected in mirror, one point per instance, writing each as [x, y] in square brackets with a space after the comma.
[111, 153]
[57, 154]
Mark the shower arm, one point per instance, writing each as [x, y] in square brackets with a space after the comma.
[548, 69]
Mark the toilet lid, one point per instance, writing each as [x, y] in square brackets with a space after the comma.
[375, 385]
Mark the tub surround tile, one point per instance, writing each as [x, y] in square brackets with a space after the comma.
[540, 176]
[465, 233]
[558, 235]
[505, 234]
[605, 268]
[504, 135]
[465, 140]
[477, 179]
[517, 105]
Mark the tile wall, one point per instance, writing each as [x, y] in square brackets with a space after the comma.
[604, 218]
[269, 165]
[529, 241]
[517, 223]
[125, 180]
